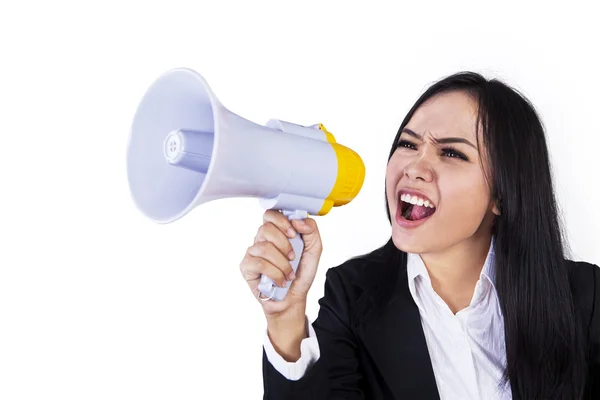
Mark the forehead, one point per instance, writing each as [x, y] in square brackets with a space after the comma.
[446, 114]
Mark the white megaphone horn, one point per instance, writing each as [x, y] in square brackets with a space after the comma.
[185, 148]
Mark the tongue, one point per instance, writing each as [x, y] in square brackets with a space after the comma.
[420, 212]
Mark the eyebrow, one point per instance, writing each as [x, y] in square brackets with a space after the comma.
[445, 140]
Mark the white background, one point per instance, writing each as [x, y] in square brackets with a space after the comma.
[96, 302]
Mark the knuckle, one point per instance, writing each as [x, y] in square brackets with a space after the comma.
[268, 228]
[258, 250]
[264, 248]
[246, 263]
[279, 220]
[270, 215]
[260, 264]
[261, 230]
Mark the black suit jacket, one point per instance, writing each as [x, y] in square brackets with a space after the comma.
[386, 356]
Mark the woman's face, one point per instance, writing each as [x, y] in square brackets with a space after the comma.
[437, 166]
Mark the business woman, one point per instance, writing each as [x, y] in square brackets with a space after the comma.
[471, 298]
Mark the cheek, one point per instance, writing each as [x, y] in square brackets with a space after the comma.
[466, 200]
[393, 174]
[390, 188]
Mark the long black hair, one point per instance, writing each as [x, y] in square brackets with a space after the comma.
[544, 345]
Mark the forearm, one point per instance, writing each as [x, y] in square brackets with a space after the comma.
[286, 331]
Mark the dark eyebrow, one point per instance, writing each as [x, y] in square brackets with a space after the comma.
[412, 133]
[445, 140]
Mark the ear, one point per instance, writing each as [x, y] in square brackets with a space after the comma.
[496, 207]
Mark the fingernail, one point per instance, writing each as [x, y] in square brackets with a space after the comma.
[292, 276]
[291, 232]
[291, 256]
[300, 222]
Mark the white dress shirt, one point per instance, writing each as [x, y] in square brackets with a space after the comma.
[467, 349]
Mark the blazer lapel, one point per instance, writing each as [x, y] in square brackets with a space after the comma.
[396, 342]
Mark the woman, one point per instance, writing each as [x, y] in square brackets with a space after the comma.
[471, 298]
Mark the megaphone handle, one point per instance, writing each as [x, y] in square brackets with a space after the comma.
[267, 287]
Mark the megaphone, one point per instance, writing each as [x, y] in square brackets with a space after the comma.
[185, 149]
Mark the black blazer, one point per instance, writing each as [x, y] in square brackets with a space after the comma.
[386, 356]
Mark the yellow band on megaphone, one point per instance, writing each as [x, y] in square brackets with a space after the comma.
[350, 176]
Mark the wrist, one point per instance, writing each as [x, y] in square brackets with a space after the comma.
[291, 315]
[286, 331]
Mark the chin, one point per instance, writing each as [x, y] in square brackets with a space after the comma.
[410, 242]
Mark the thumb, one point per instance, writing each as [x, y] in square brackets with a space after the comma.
[310, 234]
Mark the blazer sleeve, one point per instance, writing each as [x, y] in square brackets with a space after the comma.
[594, 339]
[336, 374]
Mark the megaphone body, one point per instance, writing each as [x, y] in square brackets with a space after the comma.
[185, 149]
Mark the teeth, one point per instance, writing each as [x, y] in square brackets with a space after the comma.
[407, 198]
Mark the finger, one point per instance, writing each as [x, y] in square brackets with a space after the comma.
[280, 221]
[305, 226]
[270, 253]
[270, 233]
[261, 266]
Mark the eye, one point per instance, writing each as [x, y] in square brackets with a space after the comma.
[407, 144]
[450, 152]
[446, 152]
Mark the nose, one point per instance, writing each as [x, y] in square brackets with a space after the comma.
[419, 169]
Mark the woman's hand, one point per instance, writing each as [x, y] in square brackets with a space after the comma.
[270, 255]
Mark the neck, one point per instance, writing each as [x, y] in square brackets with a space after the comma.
[455, 271]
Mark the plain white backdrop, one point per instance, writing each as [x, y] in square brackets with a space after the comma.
[96, 302]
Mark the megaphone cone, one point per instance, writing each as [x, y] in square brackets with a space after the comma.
[185, 148]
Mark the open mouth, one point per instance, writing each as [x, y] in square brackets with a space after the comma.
[415, 208]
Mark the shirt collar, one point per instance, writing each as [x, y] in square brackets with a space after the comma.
[416, 267]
